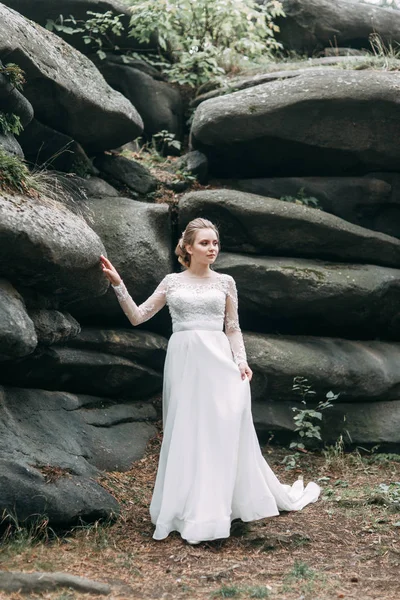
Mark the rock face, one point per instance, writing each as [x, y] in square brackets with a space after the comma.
[127, 172]
[141, 346]
[43, 145]
[371, 201]
[77, 432]
[17, 332]
[138, 82]
[46, 246]
[65, 89]
[84, 372]
[311, 25]
[137, 237]
[315, 124]
[365, 374]
[69, 501]
[53, 326]
[254, 224]
[292, 295]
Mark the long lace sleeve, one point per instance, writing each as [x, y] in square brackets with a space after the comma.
[232, 327]
[139, 314]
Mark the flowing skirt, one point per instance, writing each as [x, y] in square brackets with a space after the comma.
[211, 469]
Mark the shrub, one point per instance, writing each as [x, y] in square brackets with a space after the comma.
[14, 174]
[199, 37]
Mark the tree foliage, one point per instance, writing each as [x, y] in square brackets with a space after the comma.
[201, 37]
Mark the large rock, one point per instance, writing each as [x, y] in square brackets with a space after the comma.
[158, 102]
[84, 372]
[45, 246]
[127, 172]
[371, 201]
[141, 346]
[80, 433]
[254, 224]
[9, 144]
[53, 326]
[43, 145]
[361, 371]
[17, 332]
[300, 296]
[364, 373]
[27, 496]
[311, 25]
[137, 237]
[316, 124]
[65, 89]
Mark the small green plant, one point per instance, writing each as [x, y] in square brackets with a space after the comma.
[165, 140]
[96, 31]
[227, 592]
[391, 493]
[10, 123]
[302, 198]
[14, 174]
[14, 74]
[307, 420]
[301, 570]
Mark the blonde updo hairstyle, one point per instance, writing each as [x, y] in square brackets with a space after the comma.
[188, 239]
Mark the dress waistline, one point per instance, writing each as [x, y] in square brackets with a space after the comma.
[192, 325]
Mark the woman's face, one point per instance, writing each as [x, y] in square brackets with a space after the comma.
[205, 247]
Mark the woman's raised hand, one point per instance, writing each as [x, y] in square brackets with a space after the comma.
[110, 271]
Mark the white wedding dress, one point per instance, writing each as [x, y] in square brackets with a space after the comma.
[211, 469]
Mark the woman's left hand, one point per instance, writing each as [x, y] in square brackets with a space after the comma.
[245, 371]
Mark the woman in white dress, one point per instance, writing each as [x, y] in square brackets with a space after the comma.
[211, 470]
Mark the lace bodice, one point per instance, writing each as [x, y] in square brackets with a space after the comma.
[194, 303]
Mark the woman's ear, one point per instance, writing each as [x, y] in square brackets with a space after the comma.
[189, 249]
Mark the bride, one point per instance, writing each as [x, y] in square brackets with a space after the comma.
[211, 469]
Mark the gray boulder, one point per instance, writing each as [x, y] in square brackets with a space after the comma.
[17, 332]
[84, 372]
[53, 326]
[361, 371]
[43, 145]
[311, 25]
[81, 434]
[255, 224]
[141, 346]
[9, 144]
[364, 373]
[95, 187]
[195, 163]
[300, 296]
[158, 102]
[65, 89]
[45, 246]
[316, 124]
[368, 201]
[69, 501]
[127, 172]
[137, 237]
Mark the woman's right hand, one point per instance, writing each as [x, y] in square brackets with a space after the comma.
[110, 271]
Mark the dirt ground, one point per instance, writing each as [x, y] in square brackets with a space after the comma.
[344, 546]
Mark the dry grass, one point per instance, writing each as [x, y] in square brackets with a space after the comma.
[345, 546]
